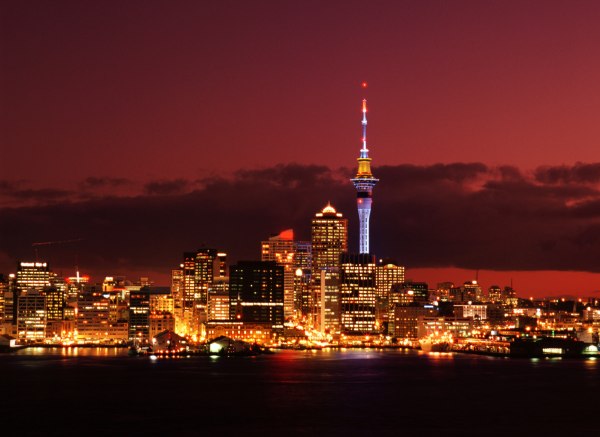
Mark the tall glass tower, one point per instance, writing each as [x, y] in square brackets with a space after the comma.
[364, 183]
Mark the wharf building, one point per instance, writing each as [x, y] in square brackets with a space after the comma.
[406, 319]
[329, 238]
[432, 325]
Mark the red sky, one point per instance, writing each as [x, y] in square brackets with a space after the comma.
[151, 91]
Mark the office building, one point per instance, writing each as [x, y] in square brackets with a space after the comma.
[256, 293]
[387, 274]
[33, 275]
[31, 316]
[357, 294]
[281, 249]
[329, 239]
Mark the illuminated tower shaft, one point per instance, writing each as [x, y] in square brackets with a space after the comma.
[364, 183]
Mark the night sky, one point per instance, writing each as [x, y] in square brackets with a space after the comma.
[150, 128]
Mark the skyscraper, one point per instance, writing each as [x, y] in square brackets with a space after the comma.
[31, 315]
[329, 237]
[139, 315]
[329, 234]
[364, 183]
[357, 294]
[200, 269]
[281, 249]
[387, 273]
[302, 277]
[34, 275]
[256, 293]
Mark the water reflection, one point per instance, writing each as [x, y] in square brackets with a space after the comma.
[74, 351]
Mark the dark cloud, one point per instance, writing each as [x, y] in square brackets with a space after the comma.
[8, 186]
[165, 188]
[463, 215]
[457, 173]
[101, 182]
[579, 173]
[42, 195]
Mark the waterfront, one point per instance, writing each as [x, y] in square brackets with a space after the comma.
[346, 392]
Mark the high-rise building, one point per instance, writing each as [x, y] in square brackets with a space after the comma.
[495, 294]
[33, 275]
[409, 292]
[327, 318]
[442, 292]
[387, 273]
[92, 315]
[281, 248]
[302, 275]
[139, 315]
[3, 293]
[218, 300]
[31, 315]
[101, 316]
[329, 239]
[55, 302]
[357, 293]
[473, 291]
[177, 292]
[200, 269]
[364, 182]
[10, 294]
[204, 272]
[256, 293]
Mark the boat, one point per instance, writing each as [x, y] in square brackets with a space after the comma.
[436, 343]
[9, 344]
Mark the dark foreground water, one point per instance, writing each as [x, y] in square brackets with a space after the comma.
[352, 392]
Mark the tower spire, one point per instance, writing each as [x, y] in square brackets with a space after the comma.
[364, 152]
[364, 183]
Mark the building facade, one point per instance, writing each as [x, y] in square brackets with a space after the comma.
[358, 294]
[256, 293]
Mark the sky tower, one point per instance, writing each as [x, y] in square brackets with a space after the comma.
[364, 183]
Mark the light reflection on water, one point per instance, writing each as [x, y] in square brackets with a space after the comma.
[74, 351]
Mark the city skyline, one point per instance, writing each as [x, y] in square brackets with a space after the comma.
[485, 139]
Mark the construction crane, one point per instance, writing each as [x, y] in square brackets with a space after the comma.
[49, 243]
